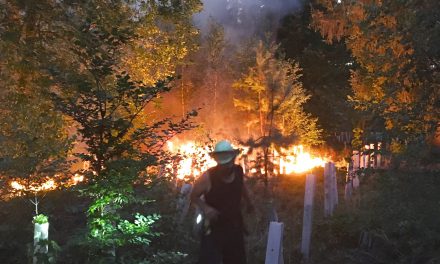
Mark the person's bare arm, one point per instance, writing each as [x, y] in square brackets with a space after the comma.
[202, 186]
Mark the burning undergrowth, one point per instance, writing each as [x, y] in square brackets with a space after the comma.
[192, 158]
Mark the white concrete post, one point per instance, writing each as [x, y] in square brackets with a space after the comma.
[348, 191]
[330, 189]
[274, 249]
[334, 185]
[361, 160]
[308, 216]
[378, 156]
[41, 233]
[327, 190]
[356, 160]
[367, 157]
[184, 202]
[356, 182]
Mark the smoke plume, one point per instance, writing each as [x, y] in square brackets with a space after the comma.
[245, 18]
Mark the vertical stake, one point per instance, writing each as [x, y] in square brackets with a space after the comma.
[308, 216]
[274, 249]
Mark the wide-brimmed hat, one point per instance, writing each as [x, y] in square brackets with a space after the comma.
[224, 152]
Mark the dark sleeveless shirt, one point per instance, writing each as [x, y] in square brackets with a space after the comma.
[226, 197]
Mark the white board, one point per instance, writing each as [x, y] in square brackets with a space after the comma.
[274, 249]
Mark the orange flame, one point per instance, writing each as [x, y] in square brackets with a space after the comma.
[48, 185]
[45, 186]
[195, 160]
[296, 160]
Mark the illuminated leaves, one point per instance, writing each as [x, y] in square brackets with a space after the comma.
[272, 96]
[393, 71]
[164, 38]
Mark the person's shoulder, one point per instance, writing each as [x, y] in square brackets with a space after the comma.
[239, 168]
[204, 177]
[210, 170]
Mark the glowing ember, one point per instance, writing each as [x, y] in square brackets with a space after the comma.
[50, 184]
[17, 186]
[34, 187]
[77, 178]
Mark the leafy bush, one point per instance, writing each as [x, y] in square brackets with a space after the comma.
[41, 219]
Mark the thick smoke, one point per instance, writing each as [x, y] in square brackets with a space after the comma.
[245, 18]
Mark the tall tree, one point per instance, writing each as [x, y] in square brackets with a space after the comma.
[215, 45]
[394, 43]
[34, 142]
[166, 37]
[271, 93]
[325, 74]
[273, 98]
[106, 103]
[72, 55]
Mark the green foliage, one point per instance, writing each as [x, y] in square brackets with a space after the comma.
[166, 258]
[325, 72]
[396, 83]
[395, 222]
[40, 219]
[165, 37]
[34, 141]
[110, 230]
[32, 135]
[111, 111]
[273, 97]
[357, 141]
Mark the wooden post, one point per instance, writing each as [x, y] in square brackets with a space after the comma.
[274, 249]
[308, 215]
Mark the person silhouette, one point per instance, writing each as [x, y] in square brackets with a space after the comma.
[224, 191]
